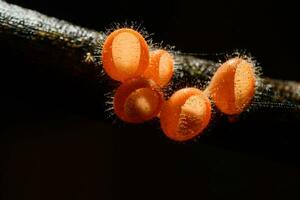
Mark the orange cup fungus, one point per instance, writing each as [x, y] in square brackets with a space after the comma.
[186, 114]
[125, 54]
[161, 67]
[138, 100]
[233, 86]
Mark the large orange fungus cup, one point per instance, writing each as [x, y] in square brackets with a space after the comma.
[125, 54]
[233, 86]
[186, 114]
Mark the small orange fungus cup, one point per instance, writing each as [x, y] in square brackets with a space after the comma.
[125, 54]
[138, 100]
[233, 86]
[186, 114]
[161, 67]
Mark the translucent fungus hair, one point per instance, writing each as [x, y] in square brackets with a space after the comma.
[125, 54]
[233, 86]
[161, 67]
[138, 100]
[186, 114]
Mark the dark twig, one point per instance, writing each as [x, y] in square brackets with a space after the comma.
[75, 50]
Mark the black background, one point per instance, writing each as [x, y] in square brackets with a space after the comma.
[49, 152]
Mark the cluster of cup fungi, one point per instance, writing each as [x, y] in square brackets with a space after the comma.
[127, 58]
